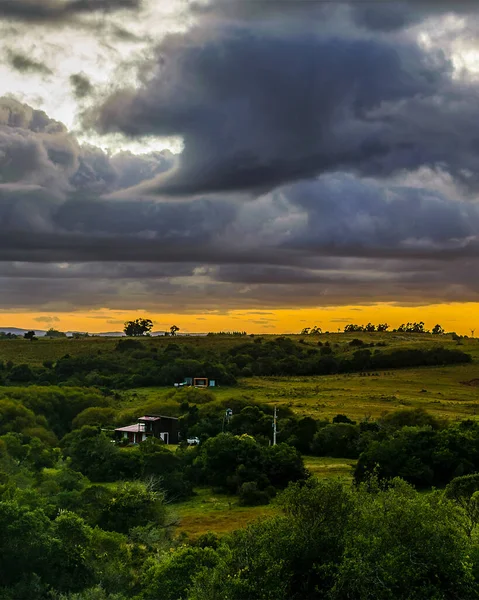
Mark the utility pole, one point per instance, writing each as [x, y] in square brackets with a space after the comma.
[227, 416]
[274, 427]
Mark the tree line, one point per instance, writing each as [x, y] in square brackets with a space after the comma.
[134, 364]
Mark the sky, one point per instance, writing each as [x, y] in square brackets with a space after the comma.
[258, 165]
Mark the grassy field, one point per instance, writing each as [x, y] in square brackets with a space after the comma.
[34, 353]
[451, 392]
[220, 513]
[336, 468]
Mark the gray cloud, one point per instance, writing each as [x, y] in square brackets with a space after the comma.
[394, 15]
[47, 320]
[256, 109]
[38, 151]
[374, 15]
[58, 10]
[24, 64]
[270, 204]
[81, 85]
[332, 240]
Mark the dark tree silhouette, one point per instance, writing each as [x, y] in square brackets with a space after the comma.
[138, 327]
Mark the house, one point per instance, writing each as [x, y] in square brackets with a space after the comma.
[158, 426]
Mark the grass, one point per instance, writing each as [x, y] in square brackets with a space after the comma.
[218, 513]
[324, 467]
[35, 353]
[221, 513]
[439, 390]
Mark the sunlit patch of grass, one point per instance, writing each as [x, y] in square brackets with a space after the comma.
[218, 513]
[325, 467]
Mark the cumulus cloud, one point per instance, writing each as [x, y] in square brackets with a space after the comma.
[39, 152]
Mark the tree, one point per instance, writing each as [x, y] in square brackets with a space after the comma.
[138, 327]
[174, 329]
[352, 328]
[54, 333]
[464, 492]
[134, 504]
[403, 545]
[437, 330]
[91, 453]
[30, 335]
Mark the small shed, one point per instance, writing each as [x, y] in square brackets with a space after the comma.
[198, 382]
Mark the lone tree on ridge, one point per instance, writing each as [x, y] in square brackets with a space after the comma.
[138, 327]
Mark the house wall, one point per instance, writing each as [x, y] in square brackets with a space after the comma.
[169, 426]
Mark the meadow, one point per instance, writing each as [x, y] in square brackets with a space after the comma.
[221, 513]
[450, 392]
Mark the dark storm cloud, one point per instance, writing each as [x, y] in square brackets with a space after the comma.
[94, 288]
[24, 64]
[56, 205]
[256, 109]
[343, 211]
[82, 86]
[392, 15]
[373, 15]
[58, 10]
[334, 239]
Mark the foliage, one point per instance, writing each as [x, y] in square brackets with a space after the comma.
[423, 456]
[227, 462]
[403, 545]
[138, 327]
[133, 363]
[92, 521]
[54, 333]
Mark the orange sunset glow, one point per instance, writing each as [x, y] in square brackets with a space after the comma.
[460, 318]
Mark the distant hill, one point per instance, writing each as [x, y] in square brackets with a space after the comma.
[42, 332]
[17, 331]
